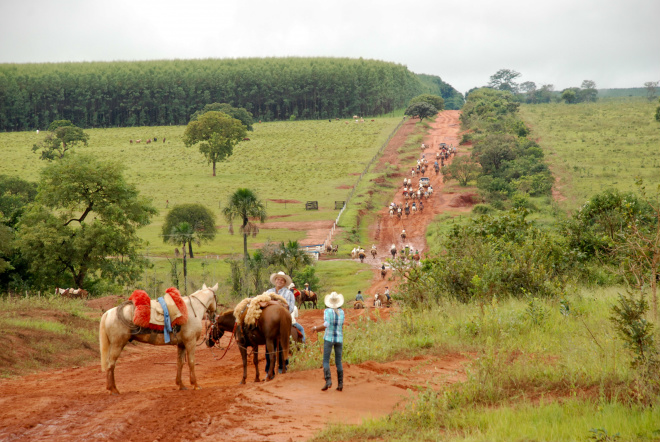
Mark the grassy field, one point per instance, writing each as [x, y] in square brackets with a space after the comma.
[283, 161]
[595, 146]
[540, 372]
[301, 161]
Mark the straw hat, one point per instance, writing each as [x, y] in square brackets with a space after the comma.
[286, 277]
[334, 300]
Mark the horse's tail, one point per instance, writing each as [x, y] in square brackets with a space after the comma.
[104, 342]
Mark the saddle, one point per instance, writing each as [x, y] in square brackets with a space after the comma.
[149, 313]
[248, 311]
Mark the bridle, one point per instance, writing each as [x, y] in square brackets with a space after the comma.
[206, 307]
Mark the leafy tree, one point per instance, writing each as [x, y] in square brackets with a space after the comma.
[183, 233]
[62, 136]
[639, 246]
[493, 151]
[651, 90]
[434, 100]
[52, 127]
[292, 257]
[6, 239]
[82, 227]
[244, 205]
[528, 87]
[421, 110]
[636, 332]
[239, 113]
[15, 194]
[588, 91]
[216, 134]
[462, 169]
[570, 96]
[307, 275]
[504, 80]
[199, 217]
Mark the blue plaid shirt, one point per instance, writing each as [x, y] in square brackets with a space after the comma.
[333, 323]
[286, 294]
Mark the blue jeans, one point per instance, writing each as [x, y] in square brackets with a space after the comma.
[327, 349]
[301, 330]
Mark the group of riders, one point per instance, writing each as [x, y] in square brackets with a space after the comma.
[406, 252]
[379, 299]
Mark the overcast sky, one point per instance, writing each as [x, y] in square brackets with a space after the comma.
[615, 43]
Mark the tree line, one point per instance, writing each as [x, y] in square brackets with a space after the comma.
[168, 92]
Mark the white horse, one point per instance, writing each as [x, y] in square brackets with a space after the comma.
[117, 324]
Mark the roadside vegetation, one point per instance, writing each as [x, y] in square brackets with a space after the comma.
[556, 311]
[538, 369]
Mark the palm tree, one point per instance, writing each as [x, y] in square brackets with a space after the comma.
[244, 205]
[183, 233]
[292, 257]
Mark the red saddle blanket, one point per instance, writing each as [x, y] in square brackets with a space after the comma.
[144, 306]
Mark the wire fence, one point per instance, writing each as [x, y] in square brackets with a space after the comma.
[328, 239]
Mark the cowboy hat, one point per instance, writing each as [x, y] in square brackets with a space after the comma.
[292, 285]
[286, 277]
[334, 300]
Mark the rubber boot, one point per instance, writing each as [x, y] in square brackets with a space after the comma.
[340, 380]
[328, 379]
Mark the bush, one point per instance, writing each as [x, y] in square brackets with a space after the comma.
[503, 255]
[482, 209]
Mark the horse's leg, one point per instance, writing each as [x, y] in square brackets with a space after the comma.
[284, 337]
[270, 349]
[243, 351]
[255, 359]
[115, 351]
[181, 354]
[190, 352]
[110, 351]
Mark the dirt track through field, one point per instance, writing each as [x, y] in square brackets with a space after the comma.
[73, 405]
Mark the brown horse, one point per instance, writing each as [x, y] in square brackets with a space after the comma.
[272, 329]
[226, 321]
[307, 296]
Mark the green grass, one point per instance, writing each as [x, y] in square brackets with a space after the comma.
[595, 146]
[303, 161]
[49, 326]
[536, 374]
[568, 420]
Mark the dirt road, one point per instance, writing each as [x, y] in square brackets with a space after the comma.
[73, 405]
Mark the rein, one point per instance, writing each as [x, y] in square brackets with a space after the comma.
[228, 345]
[206, 307]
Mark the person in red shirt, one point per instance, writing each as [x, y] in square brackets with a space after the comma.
[295, 291]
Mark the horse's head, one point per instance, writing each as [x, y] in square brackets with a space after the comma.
[213, 304]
